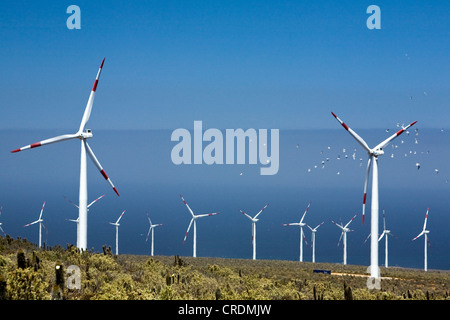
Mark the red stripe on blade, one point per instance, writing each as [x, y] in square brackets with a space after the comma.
[364, 198]
[104, 174]
[95, 85]
[34, 145]
[101, 66]
[14, 151]
[116, 191]
[399, 132]
[345, 126]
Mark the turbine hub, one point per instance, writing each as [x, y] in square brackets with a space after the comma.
[86, 134]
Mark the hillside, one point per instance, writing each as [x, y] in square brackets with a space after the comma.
[29, 273]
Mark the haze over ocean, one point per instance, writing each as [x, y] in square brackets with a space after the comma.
[139, 164]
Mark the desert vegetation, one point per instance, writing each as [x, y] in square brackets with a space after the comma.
[29, 273]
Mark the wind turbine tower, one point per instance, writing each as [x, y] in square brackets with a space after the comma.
[373, 154]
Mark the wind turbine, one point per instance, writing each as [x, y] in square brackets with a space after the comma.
[150, 229]
[1, 209]
[313, 240]
[344, 229]
[193, 220]
[424, 232]
[117, 231]
[386, 233]
[82, 134]
[301, 224]
[77, 221]
[254, 220]
[373, 161]
[41, 224]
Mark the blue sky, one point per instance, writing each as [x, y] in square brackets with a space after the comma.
[231, 64]
[261, 64]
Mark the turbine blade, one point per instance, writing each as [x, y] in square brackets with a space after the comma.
[290, 224]
[426, 217]
[42, 210]
[382, 235]
[184, 201]
[87, 111]
[342, 233]
[395, 135]
[31, 223]
[337, 224]
[260, 211]
[189, 227]
[353, 134]
[120, 216]
[148, 218]
[70, 201]
[99, 167]
[369, 163]
[419, 235]
[319, 225]
[366, 239]
[246, 215]
[307, 208]
[384, 220]
[63, 137]
[90, 204]
[149, 229]
[2, 230]
[350, 220]
[207, 214]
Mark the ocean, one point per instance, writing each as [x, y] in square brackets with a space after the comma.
[139, 164]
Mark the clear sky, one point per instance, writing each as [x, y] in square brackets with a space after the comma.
[260, 64]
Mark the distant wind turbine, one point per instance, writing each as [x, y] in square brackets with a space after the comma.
[41, 224]
[373, 153]
[77, 221]
[254, 220]
[424, 233]
[116, 224]
[301, 224]
[313, 240]
[194, 221]
[150, 229]
[82, 134]
[344, 229]
[386, 233]
[1, 209]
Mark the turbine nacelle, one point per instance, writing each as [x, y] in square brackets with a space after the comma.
[377, 152]
[85, 135]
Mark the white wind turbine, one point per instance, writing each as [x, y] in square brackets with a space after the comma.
[193, 220]
[254, 220]
[116, 224]
[344, 229]
[386, 233]
[150, 229]
[77, 221]
[313, 240]
[373, 161]
[82, 134]
[301, 224]
[1, 209]
[424, 233]
[41, 224]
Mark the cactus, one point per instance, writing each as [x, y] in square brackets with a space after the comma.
[21, 260]
[347, 292]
